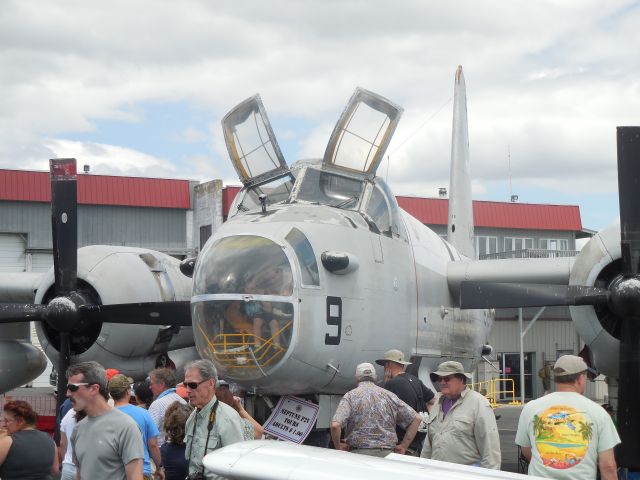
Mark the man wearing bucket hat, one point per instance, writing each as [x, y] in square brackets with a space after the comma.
[408, 388]
[369, 414]
[461, 426]
[565, 435]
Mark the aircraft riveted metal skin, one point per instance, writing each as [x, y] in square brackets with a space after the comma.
[318, 269]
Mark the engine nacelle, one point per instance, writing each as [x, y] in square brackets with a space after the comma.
[597, 265]
[112, 275]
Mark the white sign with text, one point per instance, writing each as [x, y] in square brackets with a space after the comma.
[292, 419]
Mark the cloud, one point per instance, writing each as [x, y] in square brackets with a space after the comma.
[549, 80]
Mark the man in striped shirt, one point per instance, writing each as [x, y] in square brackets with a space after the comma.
[163, 386]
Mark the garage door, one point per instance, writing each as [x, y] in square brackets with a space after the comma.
[41, 262]
[12, 257]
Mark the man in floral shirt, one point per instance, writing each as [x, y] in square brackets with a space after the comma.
[369, 415]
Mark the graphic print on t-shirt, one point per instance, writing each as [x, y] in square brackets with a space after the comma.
[562, 436]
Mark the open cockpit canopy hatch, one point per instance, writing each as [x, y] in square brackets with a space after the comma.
[363, 132]
[251, 143]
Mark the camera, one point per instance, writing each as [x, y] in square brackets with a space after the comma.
[196, 476]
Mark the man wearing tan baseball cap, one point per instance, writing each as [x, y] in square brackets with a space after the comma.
[409, 389]
[461, 426]
[565, 435]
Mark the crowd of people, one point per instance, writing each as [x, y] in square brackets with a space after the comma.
[112, 428]
[563, 435]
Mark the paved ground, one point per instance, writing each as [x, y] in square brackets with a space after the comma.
[507, 425]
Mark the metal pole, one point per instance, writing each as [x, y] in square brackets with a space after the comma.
[521, 355]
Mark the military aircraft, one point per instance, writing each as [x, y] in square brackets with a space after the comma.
[317, 269]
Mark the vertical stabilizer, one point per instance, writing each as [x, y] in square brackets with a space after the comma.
[460, 225]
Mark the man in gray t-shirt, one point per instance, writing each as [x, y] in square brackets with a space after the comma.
[107, 444]
[103, 445]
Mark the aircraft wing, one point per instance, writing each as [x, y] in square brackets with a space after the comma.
[555, 271]
[20, 361]
[275, 460]
[19, 287]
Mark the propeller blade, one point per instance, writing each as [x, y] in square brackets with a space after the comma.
[64, 230]
[514, 295]
[21, 312]
[64, 358]
[628, 182]
[151, 313]
[629, 368]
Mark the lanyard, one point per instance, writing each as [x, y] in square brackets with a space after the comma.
[212, 420]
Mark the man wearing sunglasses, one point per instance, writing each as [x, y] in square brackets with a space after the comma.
[212, 424]
[461, 426]
[107, 444]
[565, 435]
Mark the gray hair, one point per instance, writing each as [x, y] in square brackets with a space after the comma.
[206, 368]
[367, 378]
[93, 373]
[164, 375]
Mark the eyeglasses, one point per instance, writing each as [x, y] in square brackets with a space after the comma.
[445, 379]
[193, 385]
[73, 387]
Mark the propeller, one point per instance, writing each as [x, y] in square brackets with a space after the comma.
[73, 310]
[621, 297]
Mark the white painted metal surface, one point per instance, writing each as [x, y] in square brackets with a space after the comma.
[274, 460]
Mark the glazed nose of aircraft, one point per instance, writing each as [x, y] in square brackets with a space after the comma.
[242, 307]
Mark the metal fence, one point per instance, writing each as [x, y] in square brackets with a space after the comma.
[43, 404]
[530, 253]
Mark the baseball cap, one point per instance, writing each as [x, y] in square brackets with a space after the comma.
[448, 368]
[393, 355]
[119, 383]
[365, 370]
[569, 365]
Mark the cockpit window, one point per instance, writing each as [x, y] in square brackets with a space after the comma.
[306, 257]
[316, 185]
[243, 264]
[276, 191]
[378, 211]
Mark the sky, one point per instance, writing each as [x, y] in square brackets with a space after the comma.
[139, 87]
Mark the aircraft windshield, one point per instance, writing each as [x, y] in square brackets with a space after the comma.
[328, 188]
[276, 191]
[242, 309]
[243, 264]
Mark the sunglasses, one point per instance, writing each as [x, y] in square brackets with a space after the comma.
[193, 385]
[445, 379]
[73, 387]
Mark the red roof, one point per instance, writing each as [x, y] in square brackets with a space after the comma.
[528, 216]
[30, 186]
[434, 211]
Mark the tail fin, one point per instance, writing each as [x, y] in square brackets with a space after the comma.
[460, 225]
